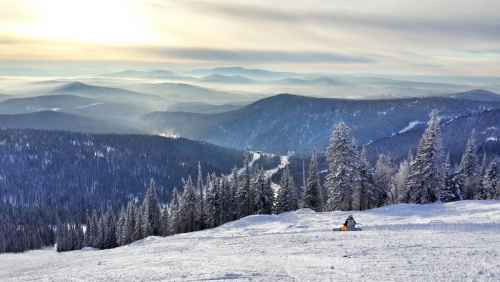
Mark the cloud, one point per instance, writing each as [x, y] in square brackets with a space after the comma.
[255, 56]
[448, 25]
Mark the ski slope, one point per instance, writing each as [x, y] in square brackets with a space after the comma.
[437, 242]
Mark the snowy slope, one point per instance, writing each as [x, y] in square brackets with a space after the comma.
[438, 242]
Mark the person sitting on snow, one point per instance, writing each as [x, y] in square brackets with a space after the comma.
[349, 224]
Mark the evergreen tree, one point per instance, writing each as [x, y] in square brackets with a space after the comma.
[313, 197]
[287, 198]
[214, 201]
[108, 230]
[234, 206]
[130, 222]
[121, 229]
[490, 182]
[164, 223]
[175, 216]
[343, 179]
[371, 195]
[384, 171]
[151, 212]
[426, 177]
[201, 199]
[264, 195]
[188, 208]
[245, 194]
[468, 174]
[227, 200]
[450, 191]
[138, 233]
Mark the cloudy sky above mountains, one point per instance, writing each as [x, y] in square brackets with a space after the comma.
[452, 37]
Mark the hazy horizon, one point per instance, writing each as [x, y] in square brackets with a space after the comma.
[387, 37]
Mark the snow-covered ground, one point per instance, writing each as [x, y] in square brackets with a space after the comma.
[438, 242]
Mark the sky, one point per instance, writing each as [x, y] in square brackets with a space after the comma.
[426, 37]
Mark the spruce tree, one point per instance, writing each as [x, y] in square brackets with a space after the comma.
[426, 177]
[343, 179]
[175, 216]
[491, 182]
[468, 177]
[151, 212]
[164, 223]
[130, 222]
[371, 195]
[245, 194]
[213, 204]
[121, 229]
[201, 199]
[188, 208]
[264, 195]
[313, 197]
[449, 192]
[287, 198]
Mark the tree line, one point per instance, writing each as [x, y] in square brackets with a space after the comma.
[351, 182]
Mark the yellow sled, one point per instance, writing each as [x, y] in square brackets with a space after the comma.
[344, 228]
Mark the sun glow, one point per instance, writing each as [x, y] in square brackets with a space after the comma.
[91, 21]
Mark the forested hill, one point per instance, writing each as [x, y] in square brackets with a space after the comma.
[286, 122]
[455, 134]
[71, 173]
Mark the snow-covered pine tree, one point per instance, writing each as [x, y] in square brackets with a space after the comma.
[226, 200]
[287, 198]
[79, 237]
[61, 238]
[484, 164]
[138, 233]
[175, 216]
[109, 231]
[121, 229]
[245, 194]
[164, 223]
[313, 197]
[188, 208]
[343, 179]
[91, 234]
[234, 206]
[213, 203]
[384, 171]
[491, 182]
[201, 199]
[468, 177]
[151, 211]
[371, 195]
[426, 177]
[449, 192]
[130, 222]
[264, 195]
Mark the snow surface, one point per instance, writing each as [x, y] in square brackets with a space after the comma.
[437, 242]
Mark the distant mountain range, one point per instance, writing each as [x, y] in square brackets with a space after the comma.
[202, 108]
[257, 74]
[295, 123]
[54, 120]
[109, 94]
[477, 95]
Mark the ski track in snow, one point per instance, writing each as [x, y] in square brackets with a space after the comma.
[437, 242]
[410, 126]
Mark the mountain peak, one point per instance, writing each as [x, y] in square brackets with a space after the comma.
[478, 95]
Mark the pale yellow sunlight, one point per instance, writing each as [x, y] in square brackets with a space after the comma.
[90, 21]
